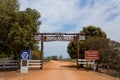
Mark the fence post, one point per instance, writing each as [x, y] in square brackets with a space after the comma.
[4, 62]
[77, 41]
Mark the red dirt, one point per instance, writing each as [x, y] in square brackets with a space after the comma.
[56, 70]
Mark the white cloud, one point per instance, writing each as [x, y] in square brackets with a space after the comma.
[57, 13]
[24, 4]
[56, 48]
[102, 14]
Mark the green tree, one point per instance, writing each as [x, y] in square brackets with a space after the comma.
[54, 57]
[99, 44]
[35, 15]
[93, 35]
[7, 9]
[92, 31]
[17, 27]
[72, 49]
[113, 60]
[60, 57]
[96, 40]
[35, 54]
[21, 34]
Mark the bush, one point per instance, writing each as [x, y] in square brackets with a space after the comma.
[35, 54]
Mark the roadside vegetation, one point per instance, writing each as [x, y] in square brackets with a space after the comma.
[17, 28]
[96, 39]
[57, 58]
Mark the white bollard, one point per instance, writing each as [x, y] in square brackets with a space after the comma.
[24, 66]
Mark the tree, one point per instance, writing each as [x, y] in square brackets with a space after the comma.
[72, 49]
[35, 15]
[21, 34]
[8, 8]
[93, 35]
[17, 27]
[96, 40]
[35, 54]
[99, 44]
[60, 57]
[113, 60]
[92, 31]
[54, 57]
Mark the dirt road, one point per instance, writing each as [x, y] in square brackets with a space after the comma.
[56, 70]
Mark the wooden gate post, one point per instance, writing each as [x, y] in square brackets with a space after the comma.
[42, 47]
[77, 51]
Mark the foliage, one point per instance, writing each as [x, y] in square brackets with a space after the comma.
[60, 57]
[51, 57]
[54, 57]
[7, 9]
[94, 37]
[17, 27]
[114, 56]
[35, 15]
[92, 31]
[100, 44]
[35, 54]
[72, 49]
[96, 40]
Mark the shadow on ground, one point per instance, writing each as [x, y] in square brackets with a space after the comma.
[69, 66]
[63, 67]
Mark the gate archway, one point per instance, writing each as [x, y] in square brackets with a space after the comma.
[47, 37]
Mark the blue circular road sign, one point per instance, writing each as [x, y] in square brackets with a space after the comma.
[25, 54]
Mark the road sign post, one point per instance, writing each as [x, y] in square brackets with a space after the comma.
[92, 55]
[24, 56]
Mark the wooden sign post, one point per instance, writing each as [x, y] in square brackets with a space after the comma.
[92, 55]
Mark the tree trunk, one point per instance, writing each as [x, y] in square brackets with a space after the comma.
[17, 57]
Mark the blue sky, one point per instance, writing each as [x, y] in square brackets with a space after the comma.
[72, 16]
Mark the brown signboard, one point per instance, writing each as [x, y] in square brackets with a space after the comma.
[59, 38]
[92, 54]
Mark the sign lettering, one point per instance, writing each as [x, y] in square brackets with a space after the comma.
[92, 54]
[59, 38]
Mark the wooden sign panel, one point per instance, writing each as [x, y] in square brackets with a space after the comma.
[59, 38]
[92, 54]
[56, 36]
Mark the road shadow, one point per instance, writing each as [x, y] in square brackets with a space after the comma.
[69, 66]
[62, 67]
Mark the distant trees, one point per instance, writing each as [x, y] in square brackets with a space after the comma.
[54, 57]
[17, 27]
[60, 57]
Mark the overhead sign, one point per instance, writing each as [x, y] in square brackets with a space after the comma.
[59, 38]
[56, 36]
[92, 54]
[25, 54]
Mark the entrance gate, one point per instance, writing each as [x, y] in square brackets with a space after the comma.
[46, 37]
